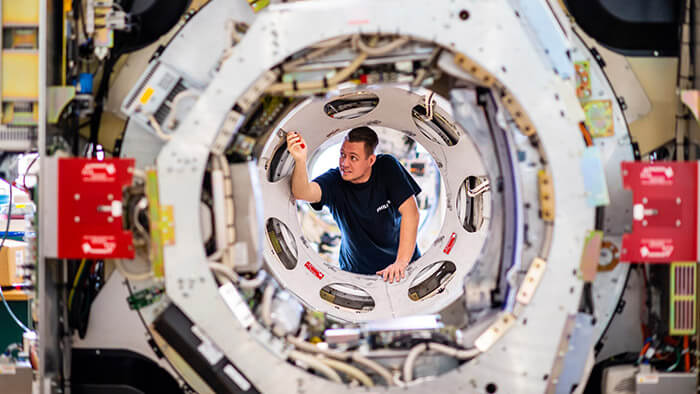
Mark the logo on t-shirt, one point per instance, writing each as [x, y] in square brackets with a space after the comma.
[383, 206]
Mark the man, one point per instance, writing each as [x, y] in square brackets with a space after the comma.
[371, 197]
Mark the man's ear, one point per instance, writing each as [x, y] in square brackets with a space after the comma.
[372, 159]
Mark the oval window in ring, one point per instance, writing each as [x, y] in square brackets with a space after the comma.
[431, 280]
[351, 106]
[436, 128]
[347, 296]
[470, 203]
[282, 241]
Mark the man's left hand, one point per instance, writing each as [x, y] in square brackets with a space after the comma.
[395, 271]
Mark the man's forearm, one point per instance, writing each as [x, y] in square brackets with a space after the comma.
[407, 237]
[300, 181]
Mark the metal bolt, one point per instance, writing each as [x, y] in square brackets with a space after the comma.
[77, 219]
[110, 197]
[76, 196]
[110, 219]
[644, 200]
[678, 201]
[644, 223]
[678, 222]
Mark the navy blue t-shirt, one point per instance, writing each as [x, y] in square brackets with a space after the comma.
[368, 213]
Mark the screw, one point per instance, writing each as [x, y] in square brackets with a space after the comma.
[77, 219]
[678, 222]
[76, 196]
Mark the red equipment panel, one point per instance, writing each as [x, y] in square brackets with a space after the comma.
[665, 211]
[90, 208]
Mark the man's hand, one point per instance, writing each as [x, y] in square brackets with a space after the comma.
[395, 271]
[296, 146]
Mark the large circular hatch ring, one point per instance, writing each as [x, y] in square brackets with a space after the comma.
[457, 160]
[502, 58]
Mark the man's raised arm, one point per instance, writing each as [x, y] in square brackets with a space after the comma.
[302, 189]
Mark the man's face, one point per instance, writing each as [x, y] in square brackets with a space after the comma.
[354, 164]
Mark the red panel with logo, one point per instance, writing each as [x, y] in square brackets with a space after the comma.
[665, 212]
[90, 208]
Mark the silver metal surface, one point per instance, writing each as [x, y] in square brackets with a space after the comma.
[247, 200]
[141, 144]
[548, 29]
[48, 313]
[617, 216]
[580, 347]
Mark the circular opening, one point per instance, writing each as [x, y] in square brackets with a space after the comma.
[431, 280]
[433, 124]
[470, 202]
[321, 230]
[281, 164]
[344, 295]
[351, 106]
[283, 243]
[491, 388]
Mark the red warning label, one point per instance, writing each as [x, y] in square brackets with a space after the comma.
[450, 244]
[313, 270]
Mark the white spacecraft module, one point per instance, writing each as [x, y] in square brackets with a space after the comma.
[211, 112]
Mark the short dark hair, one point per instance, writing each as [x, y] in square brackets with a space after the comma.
[366, 135]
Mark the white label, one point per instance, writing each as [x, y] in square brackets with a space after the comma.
[649, 378]
[207, 348]
[236, 304]
[237, 378]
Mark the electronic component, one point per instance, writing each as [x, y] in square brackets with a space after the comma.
[145, 297]
[89, 222]
[683, 298]
[159, 97]
[665, 212]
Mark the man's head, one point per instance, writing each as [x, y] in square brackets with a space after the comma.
[357, 154]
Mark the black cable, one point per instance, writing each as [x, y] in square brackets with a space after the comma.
[588, 299]
[100, 97]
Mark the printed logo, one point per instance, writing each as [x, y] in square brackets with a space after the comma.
[384, 206]
[656, 175]
[99, 244]
[656, 248]
[99, 172]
